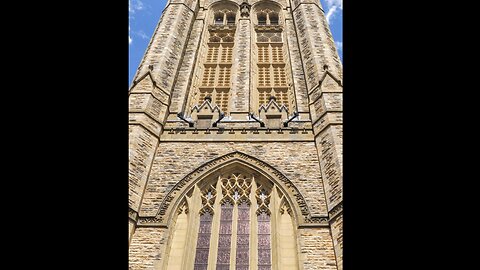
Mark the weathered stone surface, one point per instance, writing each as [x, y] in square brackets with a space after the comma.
[316, 45]
[237, 135]
[337, 235]
[146, 121]
[297, 70]
[241, 80]
[183, 81]
[327, 119]
[146, 248]
[148, 104]
[175, 160]
[295, 3]
[142, 145]
[189, 3]
[146, 85]
[327, 102]
[330, 165]
[316, 249]
[167, 46]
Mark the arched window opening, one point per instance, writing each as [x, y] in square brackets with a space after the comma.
[217, 63]
[262, 18]
[273, 18]
[272, 78]
[231, 18]
[219, 18]
[233, 217]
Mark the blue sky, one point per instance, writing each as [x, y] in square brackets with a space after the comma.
[144, 15]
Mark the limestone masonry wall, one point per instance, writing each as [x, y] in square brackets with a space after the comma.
[146, 248]
[337, 234]
[298, 161]
[316, 249]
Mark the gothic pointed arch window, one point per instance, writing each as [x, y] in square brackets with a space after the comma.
[232, 221]
[215, 80]
[272, 65]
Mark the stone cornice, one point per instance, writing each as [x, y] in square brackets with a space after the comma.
[222, 27]
[150, 222]
[268, 27]
[237, 134]
[315, 221]
[313, 225]
[311, 222]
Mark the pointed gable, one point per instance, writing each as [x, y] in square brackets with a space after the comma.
[329, 83]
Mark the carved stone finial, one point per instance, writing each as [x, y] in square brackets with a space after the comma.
[150, 67]
[209, 98]
[245, 9]
[272, 97]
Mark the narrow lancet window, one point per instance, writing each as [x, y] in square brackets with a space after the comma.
[264, 258]
[243, 236]
[225, 237]
[203, 242]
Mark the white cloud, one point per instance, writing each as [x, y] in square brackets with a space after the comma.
[331, 13]
[333, 6]
[339, 45]
[338, 3]
[134, 5]
[142, 34]
[129, 37]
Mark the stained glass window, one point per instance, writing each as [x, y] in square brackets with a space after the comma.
[225, 237]
[203, 242]
[264, 250]
[243, 237]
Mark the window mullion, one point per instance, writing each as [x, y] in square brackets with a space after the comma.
[233, 248]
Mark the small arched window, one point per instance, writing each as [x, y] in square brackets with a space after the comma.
[262, 19]
[231, 18]
[273, 18]
[219, 18]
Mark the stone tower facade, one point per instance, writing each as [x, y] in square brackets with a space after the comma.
[235, 139]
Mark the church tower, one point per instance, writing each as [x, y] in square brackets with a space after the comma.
[235, 139]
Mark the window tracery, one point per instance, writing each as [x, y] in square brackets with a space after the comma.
[272, 79]
[217, 65]
[234, 216]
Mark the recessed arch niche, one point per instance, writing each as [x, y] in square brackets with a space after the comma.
[236, 216]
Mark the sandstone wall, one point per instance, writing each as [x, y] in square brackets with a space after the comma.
[298, 161]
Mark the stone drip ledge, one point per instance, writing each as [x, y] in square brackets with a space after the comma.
[155, 222]
[237, 134]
